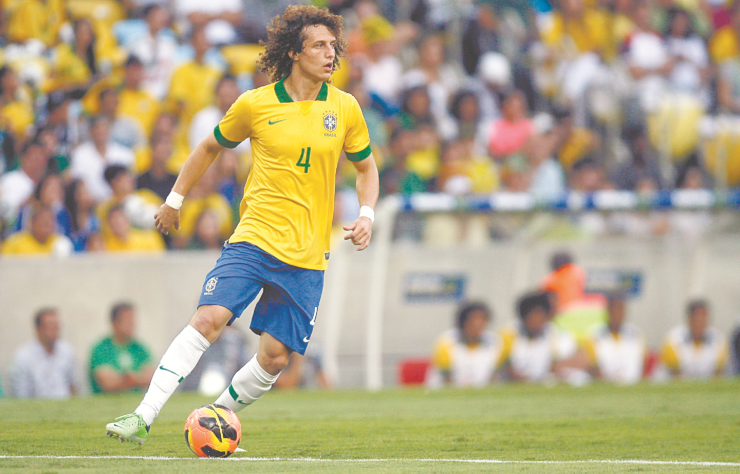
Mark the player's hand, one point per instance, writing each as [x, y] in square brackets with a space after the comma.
[167, 217]
[360, 232]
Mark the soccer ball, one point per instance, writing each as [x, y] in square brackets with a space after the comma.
[213, 431]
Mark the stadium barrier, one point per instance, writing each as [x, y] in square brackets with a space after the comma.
[390, 302]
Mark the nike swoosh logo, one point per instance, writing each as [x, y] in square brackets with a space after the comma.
[305, 339]
[241, 402]
[167, 370]
[270, 122]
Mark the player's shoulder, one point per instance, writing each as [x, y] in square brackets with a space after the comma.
[337, 94]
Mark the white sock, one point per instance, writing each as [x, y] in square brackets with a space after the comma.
[247, 386]
[176, 364]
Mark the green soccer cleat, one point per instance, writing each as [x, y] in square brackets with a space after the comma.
[128, 428]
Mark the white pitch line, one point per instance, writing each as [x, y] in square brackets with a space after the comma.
[390, 460]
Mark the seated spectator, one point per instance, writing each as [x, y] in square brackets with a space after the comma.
[574, 143]
[58, 123]
[688, 52]
[74, 66]
[219, 18]
[215, 369]
[16, 187]
[40, 239]
[158, 179]
[192, 85]
[119, 362]
[617, 352]
[122, 238]
[381, 67]
[480, 36]
[441, 79]
[91, 158]
[423, 161]
[45, 367]
[34, 20]
[466, 111]
[536, 351]
[50, 193]
[464, 173]
[510, 133]
[416, 108]
[206, 236]
[16, 105]
[125, 131]
[206, 119]
[134, 100]
[649, 60]
[643, 163]
[204, 195]
[304, 371]
[468, 355]
[694, 350]
[156, 49]
[139, 206]
[85, 224]
[725, 43]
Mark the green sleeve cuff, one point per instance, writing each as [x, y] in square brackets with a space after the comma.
[222, 140]
[360, 155]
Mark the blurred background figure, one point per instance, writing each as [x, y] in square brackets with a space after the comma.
[119, 362]
[536, 351]
[694, 350]
[617, 352]
[215, 369]
[304, 371]
[45, 367]
[469, 354]
[40, 238]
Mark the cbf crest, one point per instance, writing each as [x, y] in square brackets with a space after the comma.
[330, 122]
[211, 285]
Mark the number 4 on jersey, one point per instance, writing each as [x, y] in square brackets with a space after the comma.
[305, 164]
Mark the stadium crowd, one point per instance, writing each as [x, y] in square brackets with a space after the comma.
[101, 102]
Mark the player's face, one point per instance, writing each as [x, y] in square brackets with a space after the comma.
[316, 61]
[616, 314]
[475, 325]
[698, 322]
[123, 327]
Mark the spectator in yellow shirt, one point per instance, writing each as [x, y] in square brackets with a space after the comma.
[134, 102]
[40, 239]
[725, 43]
[122, 238]
[36, 19]
[16, 104]
[74, 65]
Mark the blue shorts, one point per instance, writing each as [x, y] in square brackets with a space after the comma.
[290, 298]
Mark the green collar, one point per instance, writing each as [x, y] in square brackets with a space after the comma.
[284, 98]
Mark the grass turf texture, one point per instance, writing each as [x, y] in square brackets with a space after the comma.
[675, 422]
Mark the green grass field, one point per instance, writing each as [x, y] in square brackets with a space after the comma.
[401, 431]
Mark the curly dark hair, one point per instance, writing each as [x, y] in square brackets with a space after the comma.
[286, 34]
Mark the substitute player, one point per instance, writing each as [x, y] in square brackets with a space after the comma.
[298, 127]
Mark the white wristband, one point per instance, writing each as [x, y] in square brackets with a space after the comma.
[174, 200]
[367, 211]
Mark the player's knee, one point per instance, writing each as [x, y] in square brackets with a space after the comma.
[210, 321]
[273, 362]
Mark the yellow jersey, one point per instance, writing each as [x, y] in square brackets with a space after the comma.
[289, 195]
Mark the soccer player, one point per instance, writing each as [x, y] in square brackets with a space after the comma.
[298, 127]
[694, 350]
[617, 351]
